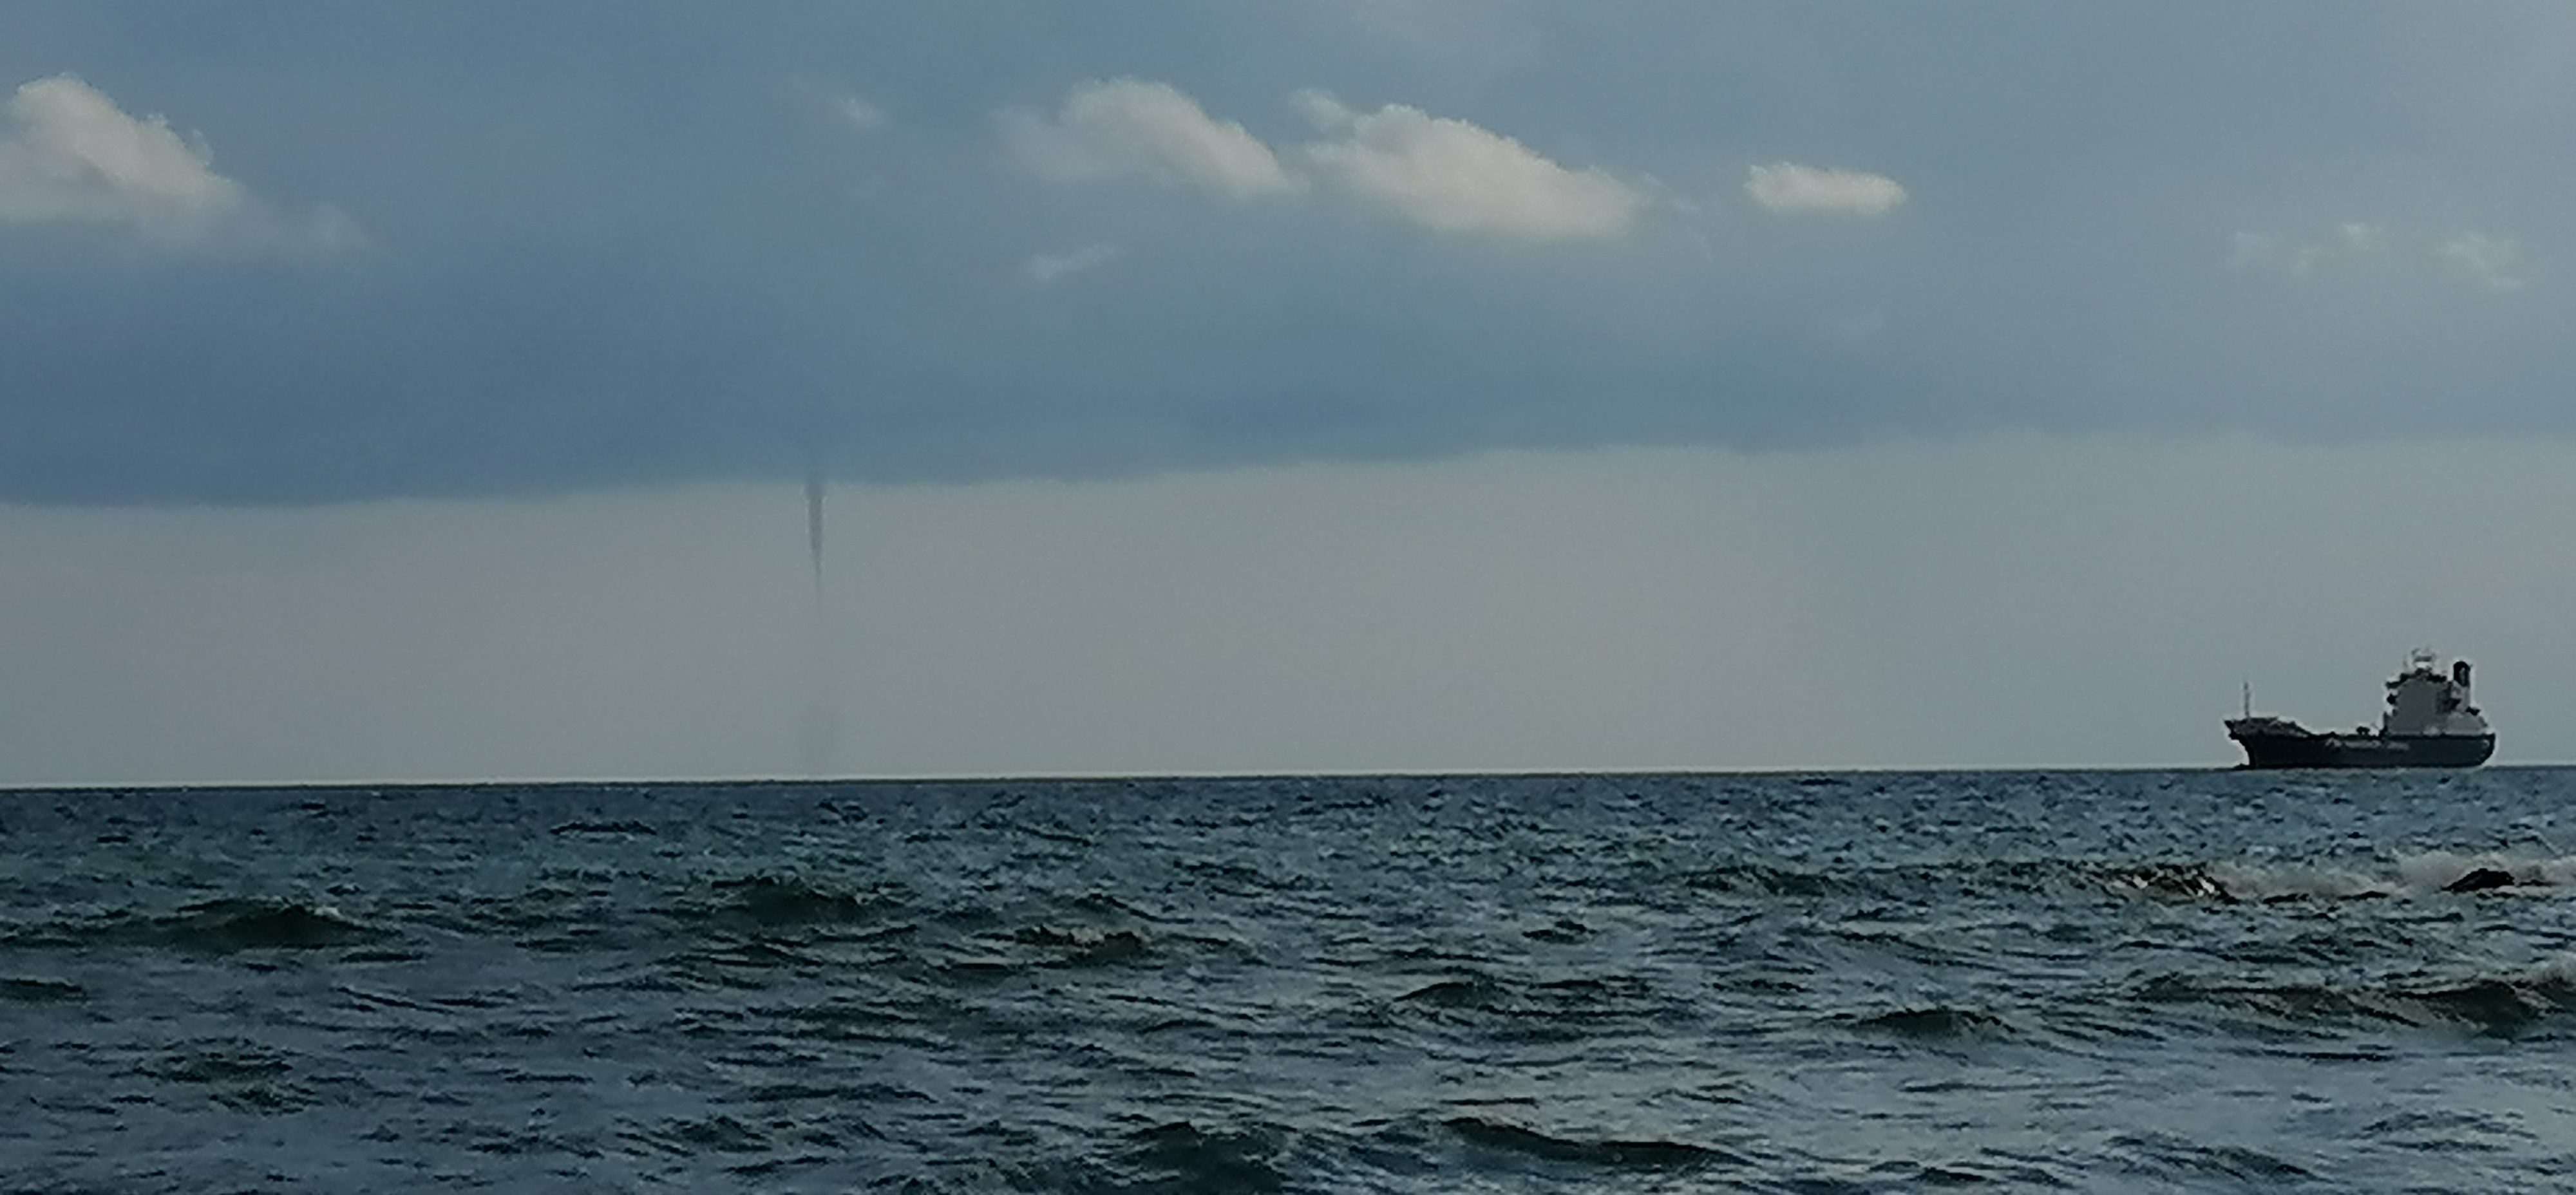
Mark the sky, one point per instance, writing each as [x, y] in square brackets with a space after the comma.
[429, 392]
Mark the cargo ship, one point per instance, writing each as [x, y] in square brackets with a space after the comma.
[2430, 723]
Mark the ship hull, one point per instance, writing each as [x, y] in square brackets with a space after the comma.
[2365, 750]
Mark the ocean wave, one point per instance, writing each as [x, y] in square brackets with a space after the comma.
[220, 925]
[1479, 1007]
[1182, 1157]
[1564, 931]
[2234, 882]
[1474, 991]
[1932, 1023]
[231, 924]
[689, 1137]
[40, 991]
[1616, 1152]
[2448, 871]
[511, 1141]
[232, 1062]
[1994, 1170]
[2449, 1131]
[2294, 881]
[1573, 998]
[1929, 881]
[2426, 873]
[769, 900]
[2496, 1006]
[2193, 1162]
[241, 1075]
[1085, 947]
[2221, 880]
[603, 827]
[1101, 904]
[1762, 879]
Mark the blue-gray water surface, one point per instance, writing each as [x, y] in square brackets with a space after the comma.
[2083, 981]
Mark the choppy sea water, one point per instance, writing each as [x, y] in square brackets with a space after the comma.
[2130, 981]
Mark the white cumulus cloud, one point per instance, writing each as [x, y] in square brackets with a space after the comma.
[1453, 176]
[1442, 173]
[70, 154]
[1115, 127]
[1789, 187]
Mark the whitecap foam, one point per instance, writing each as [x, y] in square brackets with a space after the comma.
[2558, 972]
[2436, 871]
[2293, 881]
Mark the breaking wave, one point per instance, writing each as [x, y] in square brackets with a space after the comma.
[2418, 874]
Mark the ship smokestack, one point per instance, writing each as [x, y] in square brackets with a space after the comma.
[2460, 673]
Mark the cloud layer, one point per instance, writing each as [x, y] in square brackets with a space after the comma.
[1030, 238]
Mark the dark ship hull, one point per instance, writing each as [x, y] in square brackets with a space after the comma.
[2313, 750]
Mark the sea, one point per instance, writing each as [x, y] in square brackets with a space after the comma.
[2098, 981]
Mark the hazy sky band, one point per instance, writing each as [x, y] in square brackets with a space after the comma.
[2010, 601]
[308, 253]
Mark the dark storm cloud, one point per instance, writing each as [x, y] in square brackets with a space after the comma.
[510, 249]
